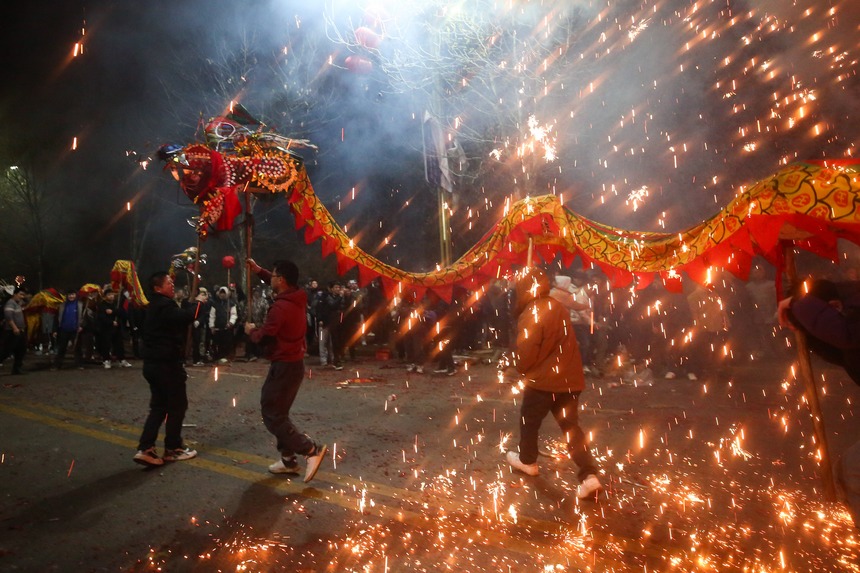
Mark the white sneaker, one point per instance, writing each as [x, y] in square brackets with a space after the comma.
[589, 487]
[222, 361]
[280, 467]
[106, 364]
[514, 461]
[314, 462]
[669, 375]
[179, 454]
[692, 376]
[148, 458]
[125, 364]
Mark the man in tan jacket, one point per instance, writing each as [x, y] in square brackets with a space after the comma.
[547, 356]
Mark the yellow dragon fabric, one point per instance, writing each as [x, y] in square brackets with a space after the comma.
[811, 203]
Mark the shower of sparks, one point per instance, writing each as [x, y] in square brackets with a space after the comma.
[541, 139]
[732, 508]
[701, 504]
[637, 196]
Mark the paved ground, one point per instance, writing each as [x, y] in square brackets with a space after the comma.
[711, 475]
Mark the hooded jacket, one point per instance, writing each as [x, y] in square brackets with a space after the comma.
[547, 354]
[282, 336]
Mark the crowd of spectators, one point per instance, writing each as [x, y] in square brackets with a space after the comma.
[697, 332]
[101, 327]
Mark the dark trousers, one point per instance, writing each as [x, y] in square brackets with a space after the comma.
[338, 341]
[222, 343]
[564, 407]
[311, 336]
[706, 353]
[168, 401]
[197, 340]
[583, 339]
[135, 342]
[444, 345]
[414, 340]
[64, 337]
[276, 398]
[110, 343]
[15, 345]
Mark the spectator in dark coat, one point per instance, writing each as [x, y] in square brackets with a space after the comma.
[69, 317]
[829, 315]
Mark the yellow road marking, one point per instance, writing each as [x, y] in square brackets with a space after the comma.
[287, 486]
[331, 497]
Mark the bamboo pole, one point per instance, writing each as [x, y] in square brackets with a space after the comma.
[530, 255]
[808, 378]
[195, 279]
[444, 229]
[249, 224]
[192, 294]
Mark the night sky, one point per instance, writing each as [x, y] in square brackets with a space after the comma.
[658, 113]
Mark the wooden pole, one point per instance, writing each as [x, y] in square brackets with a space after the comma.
[249, 224]
[444, 234]
[530, 256]
[195, 276]
[192, 294]
[808, 378]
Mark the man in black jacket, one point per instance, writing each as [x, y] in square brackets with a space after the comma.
[164, 332]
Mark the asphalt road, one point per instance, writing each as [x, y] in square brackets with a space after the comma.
[717, 474]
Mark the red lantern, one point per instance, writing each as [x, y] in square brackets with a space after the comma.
[367, 37]
[358, 65]
[228, 262]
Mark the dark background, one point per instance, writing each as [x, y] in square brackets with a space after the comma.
[690, 102]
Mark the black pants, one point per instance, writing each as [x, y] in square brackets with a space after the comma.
[444, 344]
[16, 345]
[168, 401]
[564, 407]
[64, 337]
[222, 343]
[197, 340]
[110, 343]
[276, 398]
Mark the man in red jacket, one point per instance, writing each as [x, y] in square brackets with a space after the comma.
[282, 339]
[547, 357]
